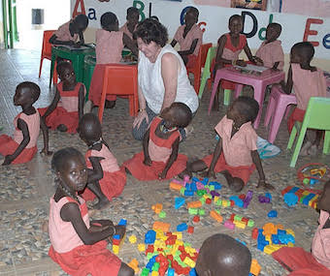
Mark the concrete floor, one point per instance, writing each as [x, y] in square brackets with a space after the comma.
[25, 189]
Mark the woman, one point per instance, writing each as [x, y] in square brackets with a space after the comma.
[162, 76]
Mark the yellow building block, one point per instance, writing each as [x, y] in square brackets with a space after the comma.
[189, 262]
[115, 249]
[290, 231]
[178, 235]
[269, 249]
[154, 273]
[132, 239]
[141, 247]
[240, 224]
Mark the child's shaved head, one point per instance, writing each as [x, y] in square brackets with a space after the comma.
[222, 255]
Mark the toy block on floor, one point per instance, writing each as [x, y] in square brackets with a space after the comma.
[178, 202]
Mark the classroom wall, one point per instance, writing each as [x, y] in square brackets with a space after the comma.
[215, 14]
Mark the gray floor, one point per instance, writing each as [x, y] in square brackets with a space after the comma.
[25, 189]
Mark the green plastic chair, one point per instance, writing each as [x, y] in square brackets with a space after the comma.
[89, 65]
[316, 117]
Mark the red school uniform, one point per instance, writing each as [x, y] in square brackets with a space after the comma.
[8, 144]
[159, 151]
[114, 179]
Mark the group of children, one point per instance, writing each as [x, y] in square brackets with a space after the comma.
[82, 249]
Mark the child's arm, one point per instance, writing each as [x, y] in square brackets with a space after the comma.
[171, 159]
[53, 40]
[45, 135]
[147, 161]
[191, 50]
[130, 44]
[81, 38]
[53, 105]
[216, 155]
[249, 54]
[81, 101]
[257, 162]
[218, 58]
[276, 64]
[96, 173]
[287, 87]
[22, 125]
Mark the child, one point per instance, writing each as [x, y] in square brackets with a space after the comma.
[105, 179]
[109, 45]
[221, 252]
[270, 53]
[159, 158]
[190, 37]
[23, 146]
[307, 81]
[235, 155]
[77, 244]
[230, 45]
[67, 106]
[132, 18]
[316, 263]
[68, 33]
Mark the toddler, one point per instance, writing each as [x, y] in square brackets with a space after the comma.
[222, 253]
[77, 244]
[307, 81]
[67, 106]
[105, 179]
[132, 18]
[159, 158]
[70, 32]
[235, 155]
[109, 45]
[190, 37]
[23, 145]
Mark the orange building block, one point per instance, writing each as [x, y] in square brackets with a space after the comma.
[216, 216]
[158, 225]
[157, 208]
[175, 186]
[255, 267]
[194, 204]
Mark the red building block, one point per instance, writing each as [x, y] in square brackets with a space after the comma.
[190, 230]
[255, 233]
[208, 201]
[196, 219]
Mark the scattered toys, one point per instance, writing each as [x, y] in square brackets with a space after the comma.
[313, 173]
[292, 195]
[272, 214]
[117, 240]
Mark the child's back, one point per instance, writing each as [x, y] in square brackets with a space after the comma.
[109, 46]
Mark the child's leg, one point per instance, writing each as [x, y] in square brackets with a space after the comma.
[125, 270]
[195, 166]
[96, 189]
[235, 183]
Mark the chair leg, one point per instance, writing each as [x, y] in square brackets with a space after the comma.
[202, 86]
[269, 111]
[326, 144]
[40, 67]
[292, 137]
[298, 147]
[275, 124]
[226, 96]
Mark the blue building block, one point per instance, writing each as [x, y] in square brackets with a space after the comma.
[281, 232]
[293, 190]
[170, 272]
[217, 185]
[150, 237]
[307, 199]
[272, 214]
[205, 181]
[151, 262]
[123, 222]
[178, 202]
[188, 193]
[313, 181]
[192, 272]
[195, 179]
[275, 239]
[182, 227]
[269, 196]
[290, 199]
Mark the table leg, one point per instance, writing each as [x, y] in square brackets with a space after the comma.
[214, 90]
[52, 65]
[259, 94]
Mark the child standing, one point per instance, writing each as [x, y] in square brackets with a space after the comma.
[67, 106]
[105, 179]
[316, 263]
[230, 45]
[307, 81]
[109, 45]
[235, 155]
[159, 158]
[190, 37]
[270, 53]
[23, 146]
[77, 244]
[70, 32]
[132, 17]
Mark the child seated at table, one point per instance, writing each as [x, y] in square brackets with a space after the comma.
[132, 18]
[109, 45]
[307, 81]
[270, 53]
[190, 37]
[70, 32]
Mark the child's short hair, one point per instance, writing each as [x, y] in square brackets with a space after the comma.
[182, 114]
[90, 127]
[234, 16]
[195, 11]
[62, 65]
[82, 21]
[276, 26]
[34, 88]
[151, 30]
[304, 49]
[248, 107]
[108, 19]
[132, 10]
[61, 156]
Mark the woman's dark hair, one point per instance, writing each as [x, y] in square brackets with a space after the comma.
[151, 30]
[108, 19]
[61, 156]
[248, 107]
[34, 88]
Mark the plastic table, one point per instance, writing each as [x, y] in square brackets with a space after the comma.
[258, 82]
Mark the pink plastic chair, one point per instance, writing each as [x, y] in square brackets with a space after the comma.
[278, 104]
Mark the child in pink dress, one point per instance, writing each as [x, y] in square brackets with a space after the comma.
[307, 81]
[270, 53]
[105, 179]
[159, 158]
[132, 17]
[109, 45]
[67, 106]
[79, 245]
[190, 37]
[22, 147]
[235, 154]
[316, 263]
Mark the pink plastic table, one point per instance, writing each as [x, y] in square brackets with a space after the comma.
[258, 82]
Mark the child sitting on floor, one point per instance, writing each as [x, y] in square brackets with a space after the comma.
[220, 254]
[109, 45]
[235, 155]
[190, 37]
[23, 145]
[67, 106]
[159, 158]
[68, 33]
[230, 45]
[270, 53]
[317, 263]
[132, 18]
[105, 179]
[77, 244]
[307, 81]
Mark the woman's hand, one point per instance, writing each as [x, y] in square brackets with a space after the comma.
[139, 118]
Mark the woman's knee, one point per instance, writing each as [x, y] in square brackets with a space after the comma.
[125, 270]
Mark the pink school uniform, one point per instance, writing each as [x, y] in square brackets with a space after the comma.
[236, 150]
[125, 30]
[69, 251]
[8, 144]
[306, 84]
[63, 33]
[109, 46]
[114, 179]
[270, 53]
[185, 42]
[66, 112]
[159, 151]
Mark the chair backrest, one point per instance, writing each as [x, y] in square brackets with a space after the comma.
[317, 113]
[46, 46]
[203, 53]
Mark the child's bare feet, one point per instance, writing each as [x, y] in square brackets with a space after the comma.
[62, 128]
[312, 151]
[103, 202]
[265, 185]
